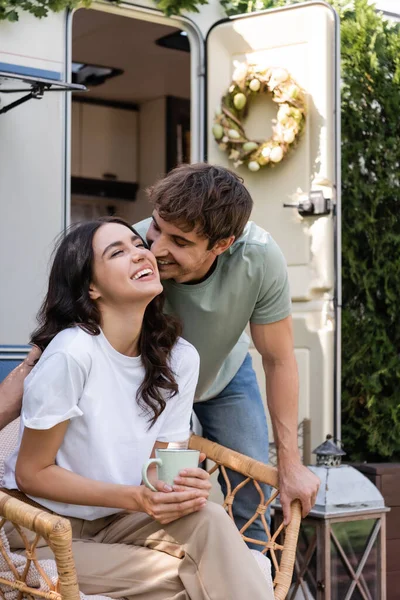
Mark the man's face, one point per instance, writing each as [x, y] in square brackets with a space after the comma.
[182, 256]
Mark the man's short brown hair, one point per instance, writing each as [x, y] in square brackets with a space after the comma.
[208, 198]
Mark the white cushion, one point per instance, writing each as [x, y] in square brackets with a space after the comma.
[8, 442]
[265, 565]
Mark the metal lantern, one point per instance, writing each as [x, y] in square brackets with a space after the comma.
[342, 542]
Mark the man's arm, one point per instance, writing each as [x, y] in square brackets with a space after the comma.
[275, 344]
[11, 389]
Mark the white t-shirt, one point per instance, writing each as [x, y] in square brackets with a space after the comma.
[81, 377]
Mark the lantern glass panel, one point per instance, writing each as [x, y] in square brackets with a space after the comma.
[340, 577]
[356, 595]
[353, 538]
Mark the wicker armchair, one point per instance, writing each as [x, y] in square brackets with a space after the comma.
[23, 513]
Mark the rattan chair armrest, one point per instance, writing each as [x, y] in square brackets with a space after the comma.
[55, 530]
[236, 461]
[284, 578]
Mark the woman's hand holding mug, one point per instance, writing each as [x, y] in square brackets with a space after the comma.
[181, 487]
[194, 478]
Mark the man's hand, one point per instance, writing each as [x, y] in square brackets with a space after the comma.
[297, 482]
[34, 354]
[166, 506]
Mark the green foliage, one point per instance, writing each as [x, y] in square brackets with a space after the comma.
[9, 9]
[371, 233]
[176, 7]
[239, 7]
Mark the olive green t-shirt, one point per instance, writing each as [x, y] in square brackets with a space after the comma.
[248, 284]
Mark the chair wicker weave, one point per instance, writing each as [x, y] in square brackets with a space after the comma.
[254, 472]
[57, 533]
[56, 530]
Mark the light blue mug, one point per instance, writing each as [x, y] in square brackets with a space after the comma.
[170, 461]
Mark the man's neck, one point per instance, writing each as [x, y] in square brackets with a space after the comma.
[204, 277]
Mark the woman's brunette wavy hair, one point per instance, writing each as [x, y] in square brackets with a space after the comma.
[67, 304]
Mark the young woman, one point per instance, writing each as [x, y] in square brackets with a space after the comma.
[115, 382]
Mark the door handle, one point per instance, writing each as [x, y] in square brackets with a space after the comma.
[315, 204]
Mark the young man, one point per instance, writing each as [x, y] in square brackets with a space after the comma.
[221, 272]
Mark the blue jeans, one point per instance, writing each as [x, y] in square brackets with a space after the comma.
[236, 419]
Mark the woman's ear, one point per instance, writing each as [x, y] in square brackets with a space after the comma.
[94, 293]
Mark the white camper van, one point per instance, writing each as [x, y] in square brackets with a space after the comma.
[153, 84]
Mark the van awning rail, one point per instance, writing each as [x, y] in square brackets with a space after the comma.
[14, 83]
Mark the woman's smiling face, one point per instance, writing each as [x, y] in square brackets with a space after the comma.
[124, 271]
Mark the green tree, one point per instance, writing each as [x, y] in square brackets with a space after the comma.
[240, 7]
[370, 104]
[9, 9]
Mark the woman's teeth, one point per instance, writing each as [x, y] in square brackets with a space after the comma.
[142, 274]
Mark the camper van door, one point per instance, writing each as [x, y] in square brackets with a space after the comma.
[303, 39]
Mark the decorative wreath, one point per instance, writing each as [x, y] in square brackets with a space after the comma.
[248, 81]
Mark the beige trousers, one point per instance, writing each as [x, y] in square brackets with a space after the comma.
[199, 557]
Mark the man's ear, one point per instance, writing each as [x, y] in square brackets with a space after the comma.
[94, 293]
[223, 245]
